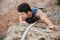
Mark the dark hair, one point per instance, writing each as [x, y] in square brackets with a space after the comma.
[24, 7]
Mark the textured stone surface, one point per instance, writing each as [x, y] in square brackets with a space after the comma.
[35, 33]
[6, 5]
[10, 16]
[6, 20]
[39, 30]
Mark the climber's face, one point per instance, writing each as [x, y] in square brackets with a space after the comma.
[23, 16]
[26, 15]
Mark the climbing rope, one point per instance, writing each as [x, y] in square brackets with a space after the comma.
[27, 29]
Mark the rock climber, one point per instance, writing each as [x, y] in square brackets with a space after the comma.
[31, 15]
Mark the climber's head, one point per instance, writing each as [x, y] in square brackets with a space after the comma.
[24, 10]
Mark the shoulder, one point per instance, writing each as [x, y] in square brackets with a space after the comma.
[39, 13]
[34, 9]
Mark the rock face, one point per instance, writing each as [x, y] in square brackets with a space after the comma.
[7, 20]
[7, 5]
[10, 16]
[39, 30]
[35, 33]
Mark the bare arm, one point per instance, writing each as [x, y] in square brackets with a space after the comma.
[21, 21]
[45, 19]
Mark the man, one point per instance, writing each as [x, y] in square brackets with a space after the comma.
[32, 15]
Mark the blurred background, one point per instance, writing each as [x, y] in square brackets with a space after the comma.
[10, 16]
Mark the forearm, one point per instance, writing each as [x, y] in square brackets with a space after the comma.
[48, 22]
[21, 21]
[45, 19]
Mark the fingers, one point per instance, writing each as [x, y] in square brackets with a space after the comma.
[54, 29]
